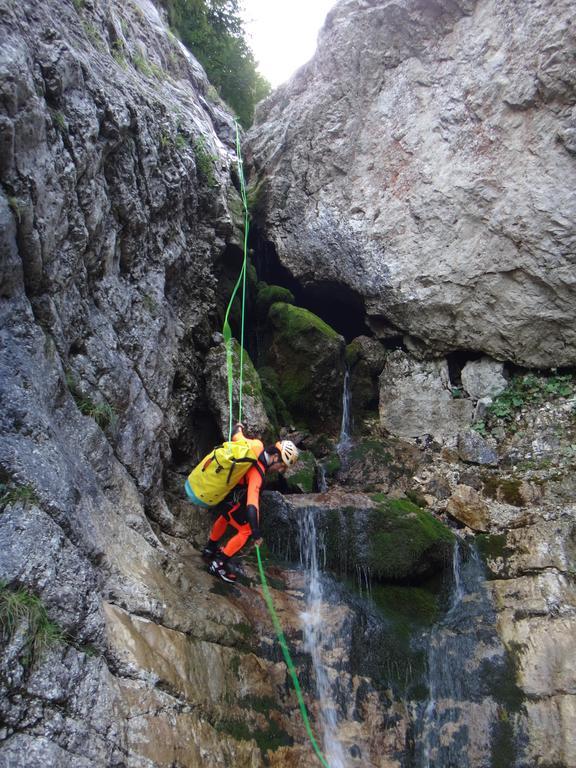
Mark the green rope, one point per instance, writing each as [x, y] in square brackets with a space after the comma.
[226, 330]
[288, 658]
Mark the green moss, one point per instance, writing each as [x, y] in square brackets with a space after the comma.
[294, 321]
[503, 743]
[255, 196]
[332, 465]
[352, 354]
[491, 546]
[505, 490]
[303, 478]
[413, 605]
[371, 449]
[404, 540]
[245, 629]
[205, 161]
[268, 295]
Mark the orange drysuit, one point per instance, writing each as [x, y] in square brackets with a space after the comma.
[241, 508]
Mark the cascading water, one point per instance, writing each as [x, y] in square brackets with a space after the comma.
[466, 663]
[345, 441]
[316, 642]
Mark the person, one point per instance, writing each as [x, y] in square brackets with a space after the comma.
[241, 508]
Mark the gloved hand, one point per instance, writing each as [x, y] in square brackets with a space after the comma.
[238, 427]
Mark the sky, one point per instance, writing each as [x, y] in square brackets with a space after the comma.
[282, 34]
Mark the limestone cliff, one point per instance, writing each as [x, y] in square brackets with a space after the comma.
[428, 148]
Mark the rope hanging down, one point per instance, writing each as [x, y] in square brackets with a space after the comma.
[288, 659]
[227, 332]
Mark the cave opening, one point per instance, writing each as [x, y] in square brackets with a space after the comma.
[336, 303]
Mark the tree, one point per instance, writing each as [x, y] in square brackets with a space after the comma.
[214, 32]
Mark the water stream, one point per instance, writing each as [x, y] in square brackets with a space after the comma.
[345, 441]
[317, 640]
[465, 662]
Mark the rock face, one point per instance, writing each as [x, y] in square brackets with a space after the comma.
[425, 157]
[416, 399]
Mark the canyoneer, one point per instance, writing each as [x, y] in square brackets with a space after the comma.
[241, 508]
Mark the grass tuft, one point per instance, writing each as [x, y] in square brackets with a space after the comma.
[19, 607]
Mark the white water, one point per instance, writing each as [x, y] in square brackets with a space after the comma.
[345, 441]
[316, 640]
[322, 484]
[451, 645]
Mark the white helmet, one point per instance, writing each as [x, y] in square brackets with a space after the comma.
[288, 452]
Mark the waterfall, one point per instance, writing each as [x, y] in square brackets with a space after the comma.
[447, 727]
[316, 640]
[322, 484]
[345, 441]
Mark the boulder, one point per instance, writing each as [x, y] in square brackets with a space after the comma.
[416, 399]
[474, 449]
[484, 378]
[308, 357]
[395, 163]
[468, 507]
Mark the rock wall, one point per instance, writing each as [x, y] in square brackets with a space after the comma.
[428, 149]
[114, 218]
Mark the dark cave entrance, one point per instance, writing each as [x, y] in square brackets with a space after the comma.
[336, 303]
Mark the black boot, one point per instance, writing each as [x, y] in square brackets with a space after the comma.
[210, 551]
[219, 567]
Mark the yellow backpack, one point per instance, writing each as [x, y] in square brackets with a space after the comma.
[218, 472]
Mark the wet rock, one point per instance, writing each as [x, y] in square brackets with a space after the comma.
[474, 449]
[365, 358]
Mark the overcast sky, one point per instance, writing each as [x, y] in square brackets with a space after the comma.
[282, 33]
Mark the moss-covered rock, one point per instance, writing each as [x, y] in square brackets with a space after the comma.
[301, 478]
[405, 541]
[276, 409]
[271, 294]
[308, 356]
[254, 414]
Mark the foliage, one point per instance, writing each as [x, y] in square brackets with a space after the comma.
[213, 31]
[148, 68]
[533, 389]
[119, 53]
[12, 494]
[103, 413]
[21, 607]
